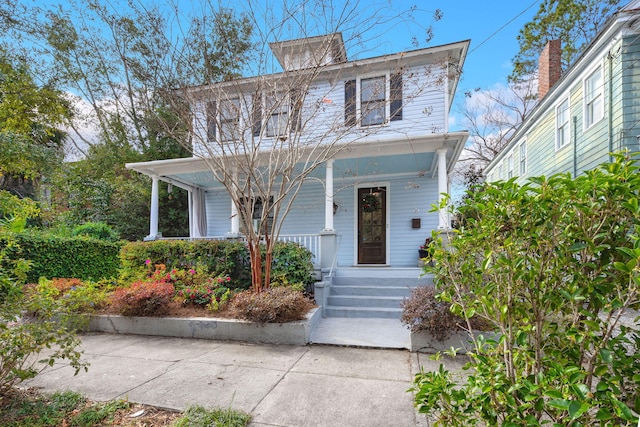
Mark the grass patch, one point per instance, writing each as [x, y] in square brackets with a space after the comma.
[197, 416]
[69, 409]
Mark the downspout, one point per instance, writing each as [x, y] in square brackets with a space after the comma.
[575, 146]
[610, 107]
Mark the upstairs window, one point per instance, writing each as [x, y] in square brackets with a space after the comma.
[279, 114]
[562, 124]
[593, 98]
[230, 120]
[373, 101]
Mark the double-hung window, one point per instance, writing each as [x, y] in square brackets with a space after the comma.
[562, 124]
[281, 113]
[593, 98]
[277, 109]
[523, 158]
[229, 120]
[373, 100]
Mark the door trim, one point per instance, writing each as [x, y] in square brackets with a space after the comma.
[387, 185]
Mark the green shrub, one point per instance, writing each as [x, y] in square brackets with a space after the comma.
[291, 262]
[143, 298]
[52, 256]
[96, 230]
[274, 305]
[77, 296]
[213, 257]
[552, 266]
[22, 339]
[292, 266]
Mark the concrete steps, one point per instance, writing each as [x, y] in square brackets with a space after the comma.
[372, 292]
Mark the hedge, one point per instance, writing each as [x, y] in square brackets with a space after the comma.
[69, 257]
[219, 257]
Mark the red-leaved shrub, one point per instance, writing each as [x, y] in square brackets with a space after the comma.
[143, 298]
[274, 305]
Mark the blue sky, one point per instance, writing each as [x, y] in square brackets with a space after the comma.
[492, 27]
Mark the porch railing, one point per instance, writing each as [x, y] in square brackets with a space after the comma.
[309, 241]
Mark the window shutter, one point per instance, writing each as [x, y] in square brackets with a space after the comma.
[211, 121]
[350, 103]
[296, 110]
[396, 96]
[256, 114]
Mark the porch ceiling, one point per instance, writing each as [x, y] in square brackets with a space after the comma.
[366, 158]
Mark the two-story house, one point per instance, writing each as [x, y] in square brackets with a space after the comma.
[378, 125]
[583, 114]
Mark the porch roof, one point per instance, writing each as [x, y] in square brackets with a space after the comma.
[361, 158]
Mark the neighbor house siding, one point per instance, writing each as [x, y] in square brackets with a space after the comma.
[627, 133]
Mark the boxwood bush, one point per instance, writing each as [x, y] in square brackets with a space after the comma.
[53, 256]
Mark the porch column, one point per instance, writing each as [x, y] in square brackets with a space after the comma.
[235, 219]
[443, 185]
[153, 220]
[235, 215]
[328, 201]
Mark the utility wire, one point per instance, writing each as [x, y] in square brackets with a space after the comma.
[501, 28]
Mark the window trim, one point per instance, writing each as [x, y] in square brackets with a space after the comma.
[226, 121]
[565, 126]
[588, 111]
[292, 102]
[522, 148]
[393, 98]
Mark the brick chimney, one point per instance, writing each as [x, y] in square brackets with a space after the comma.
[549, 67]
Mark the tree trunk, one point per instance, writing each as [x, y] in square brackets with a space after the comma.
[267, 261]
[256, 265]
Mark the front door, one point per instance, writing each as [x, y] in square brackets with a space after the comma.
[372, 225]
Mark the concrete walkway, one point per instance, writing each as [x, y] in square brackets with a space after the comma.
[315, 385]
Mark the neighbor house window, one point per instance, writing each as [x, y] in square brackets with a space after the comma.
[523, 158]
[229, 120]
[373, 100]
[562, 124]
[593, 98]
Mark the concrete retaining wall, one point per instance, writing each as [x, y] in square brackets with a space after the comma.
[294, 333]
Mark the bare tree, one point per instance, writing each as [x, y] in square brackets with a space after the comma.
[492, 117]
[262, 137]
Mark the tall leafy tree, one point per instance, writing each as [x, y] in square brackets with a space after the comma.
[30, 116]
[574, 22]
[121, 59]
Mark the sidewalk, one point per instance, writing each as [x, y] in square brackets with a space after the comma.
[285, 386]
